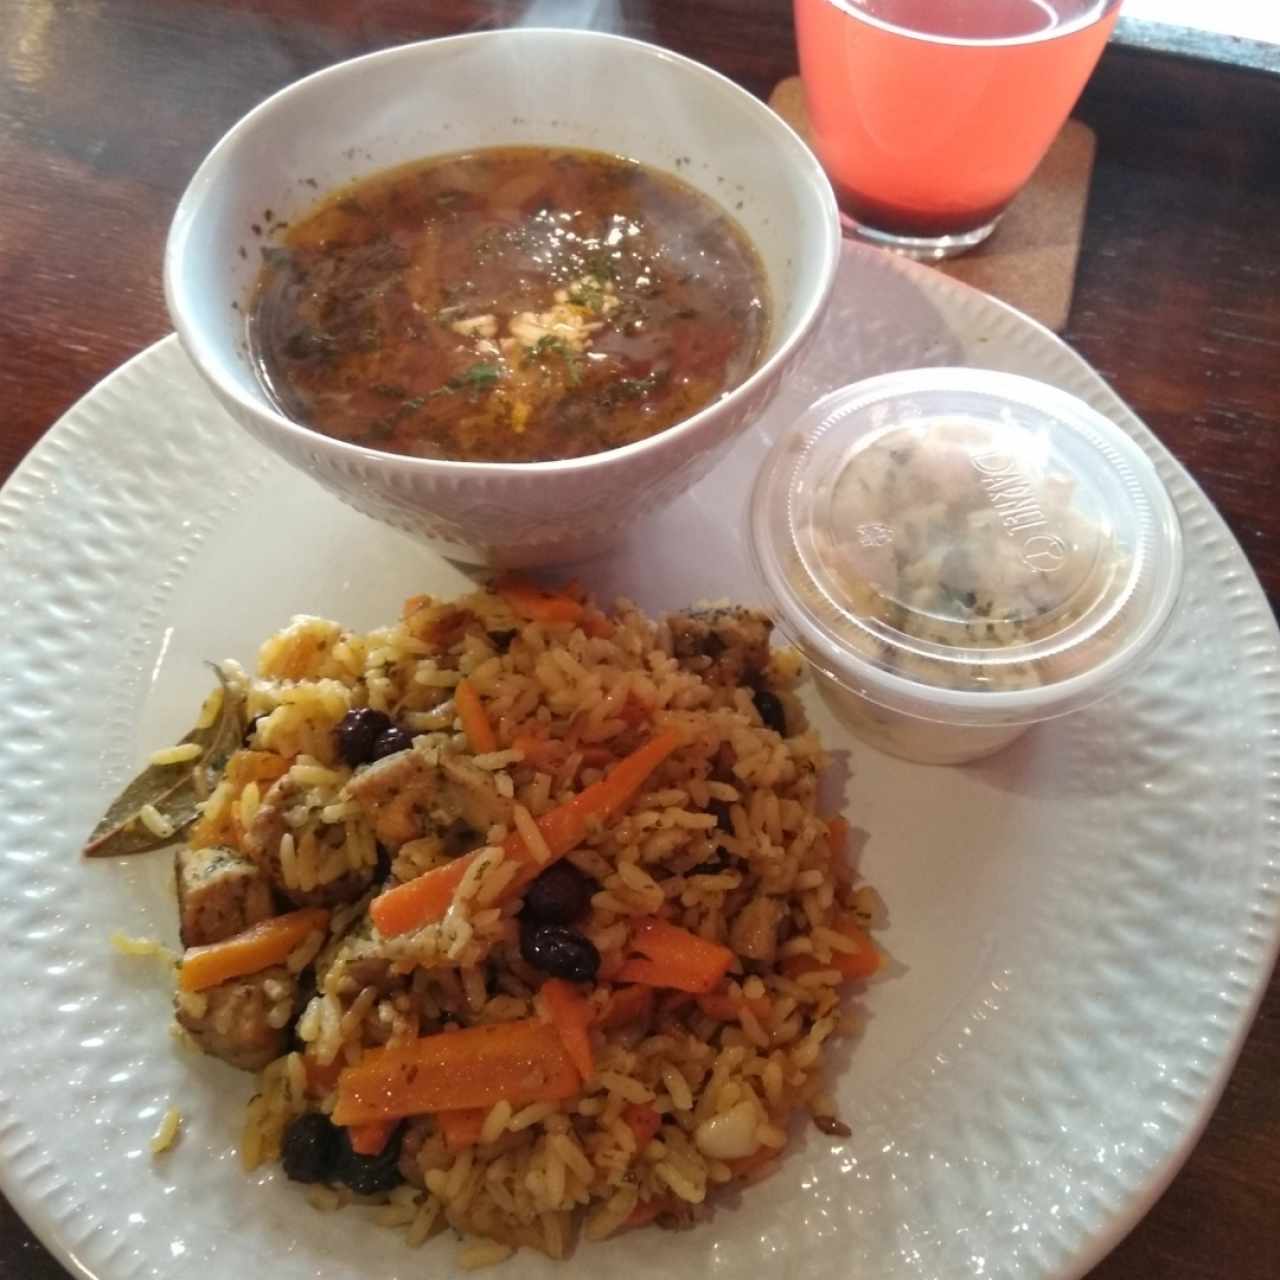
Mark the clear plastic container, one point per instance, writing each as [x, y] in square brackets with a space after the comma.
[961, 553]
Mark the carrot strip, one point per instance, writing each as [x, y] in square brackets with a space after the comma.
[532, 602]
[863, 963]
[626, 1005]
[244, 767]
[247, 766]
[521, 1061]
[257, 948]
[461, 1129]
[570, 1014]
[565, 827]
[419, 901]
[426, 898]
[475, 721]
[643, 1121]
[674, 957]
[369, 1139]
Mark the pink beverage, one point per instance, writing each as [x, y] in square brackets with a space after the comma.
[930, 115]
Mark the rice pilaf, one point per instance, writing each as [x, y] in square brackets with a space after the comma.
[559, 872]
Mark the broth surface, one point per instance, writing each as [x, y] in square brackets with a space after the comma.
[511, 304]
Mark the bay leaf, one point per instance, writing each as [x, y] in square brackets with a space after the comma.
[174, 789]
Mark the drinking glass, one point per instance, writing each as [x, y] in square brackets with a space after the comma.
[930, 115]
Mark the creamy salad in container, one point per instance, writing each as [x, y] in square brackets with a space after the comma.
[961, 553]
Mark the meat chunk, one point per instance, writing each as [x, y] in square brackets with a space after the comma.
[353, 962]
[408, 798]
[219, 894]
[728, 646]
[754, 934]
[243, 1021]
[262, 844]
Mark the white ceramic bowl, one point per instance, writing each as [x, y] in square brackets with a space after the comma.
[572, 88]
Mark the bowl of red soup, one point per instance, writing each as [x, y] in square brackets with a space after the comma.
[509, 291]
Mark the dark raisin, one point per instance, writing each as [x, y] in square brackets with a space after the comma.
[389, 741]
[561, 952]
[769, 708]
[311, 1148]
[501, 640]
[370, 1175]
[560, 895]
[832, 1127]
[724, 822]
[357, 732]
[249, 730]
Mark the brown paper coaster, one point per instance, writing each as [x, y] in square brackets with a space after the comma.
[1029, 261]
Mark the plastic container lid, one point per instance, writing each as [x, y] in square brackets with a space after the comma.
[964, 545]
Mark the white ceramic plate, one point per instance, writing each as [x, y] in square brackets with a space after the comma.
[1085, 924]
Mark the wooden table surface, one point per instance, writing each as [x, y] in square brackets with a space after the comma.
[107, 106]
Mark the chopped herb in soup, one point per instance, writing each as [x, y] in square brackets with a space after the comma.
[515, 304]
